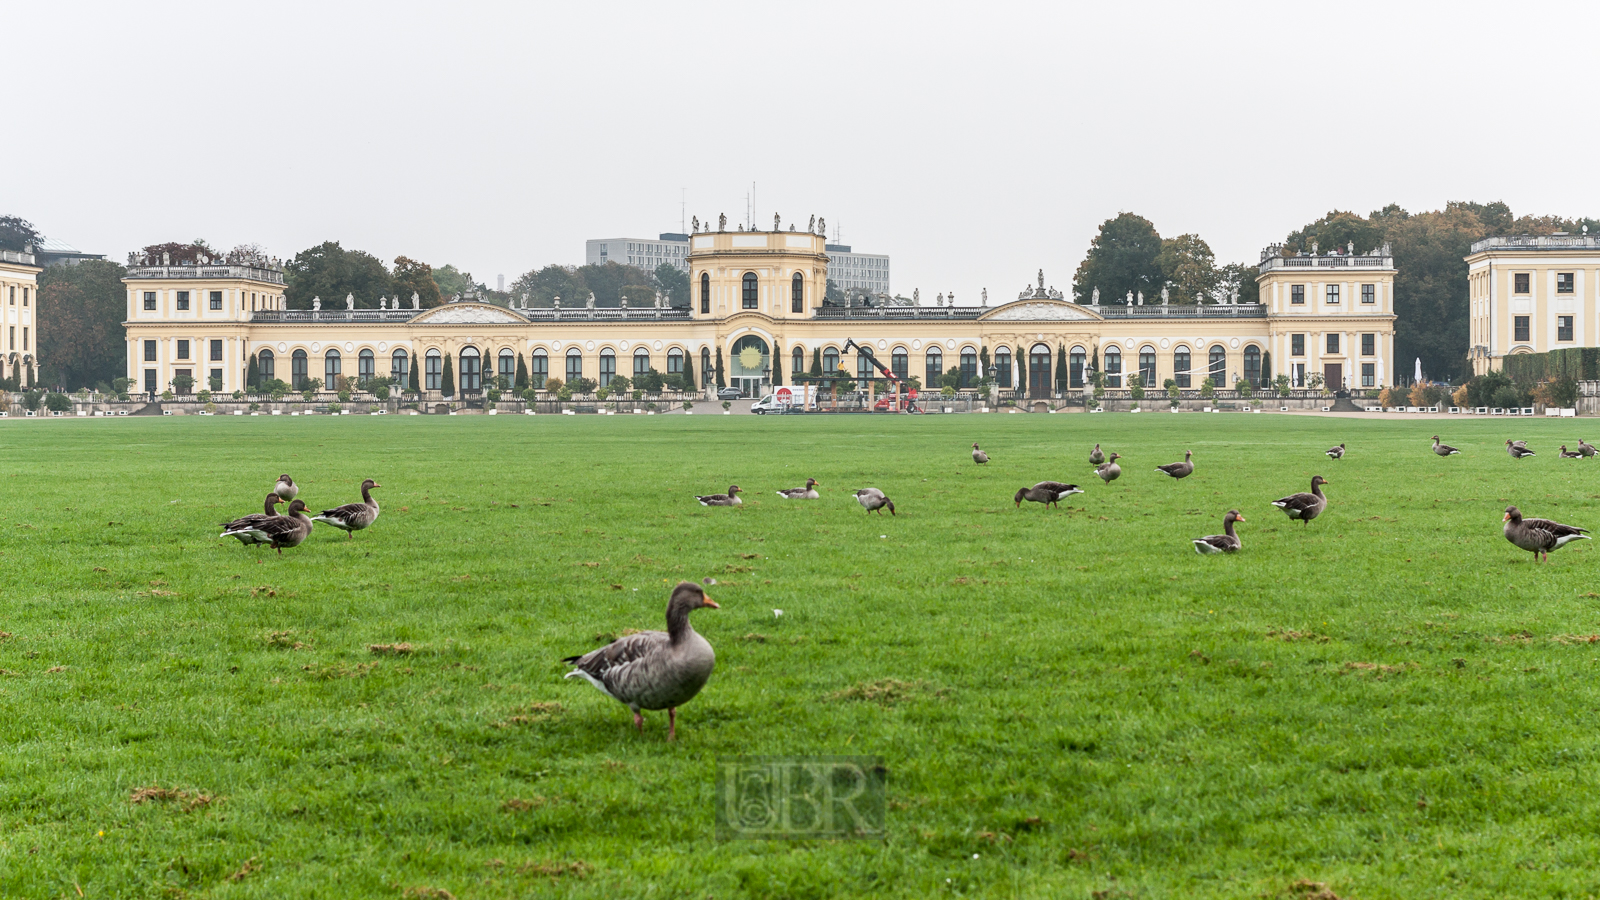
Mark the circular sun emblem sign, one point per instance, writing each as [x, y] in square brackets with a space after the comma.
[750, 358]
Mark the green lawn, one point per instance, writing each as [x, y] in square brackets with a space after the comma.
[1393, 700]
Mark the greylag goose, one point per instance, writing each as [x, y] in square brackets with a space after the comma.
[239, 527]
[1335, 452]
[1584, 448]
[978, 456]
[1109, 471]
[352, 517]
[286, 488]
[1305, 507]
[1570, 454]
[731, 498]
[809, 492]
[1540, 535]
[654, 669]
[1518, 449]
[1443, 449]
[873, 499]
[1096, 457]
[279, 531]
[1050, 492]
[1180, 469]
[1228, 542]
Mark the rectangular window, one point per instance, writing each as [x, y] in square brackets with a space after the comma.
[1564, 283]
[435, 365]
[149, 299]
[25, 339]
[183, 300]
[150, 380]
[1297, 293]
[1297, 345]
[1368, 374]
[1333, 293]
[1369, 293]
[149, 351]
[215, 382]
[216, 351]
[1519, 283]
[1333, 343]
[1563, 330]
[12, 337]
[1519, 328]
[183, 373]
[13, 293]
[183, 349]
[1369, 345]
[25, 296]
[216, 299]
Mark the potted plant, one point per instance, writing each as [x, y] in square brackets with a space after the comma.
[726, 406]
[688, 407]
[1172, 392]
[1136, 388]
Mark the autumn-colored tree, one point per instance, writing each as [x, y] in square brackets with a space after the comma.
[80, 315]
[412, 276]
[180, 254]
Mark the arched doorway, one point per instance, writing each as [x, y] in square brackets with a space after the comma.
[749, 365]
[1039, 384]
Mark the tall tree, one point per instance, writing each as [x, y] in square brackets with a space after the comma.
[542, 286]
[451, 281]
[252, 373]
[1123, 257]
[688, 373]
[414, 277]
[721, 382]
[777, 364]
[522, 373]
[816, 362]
[674, 283]
[1022, 370]
[331, 272]
[447, 381]
[413, 375]
[1189, 268]
[1061, 367]
[17, 233]
[1239, 277]
[81, 308]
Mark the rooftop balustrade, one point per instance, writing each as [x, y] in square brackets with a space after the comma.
[249, 273]
[1538, 242]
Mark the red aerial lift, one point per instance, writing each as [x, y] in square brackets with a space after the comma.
[850, 343]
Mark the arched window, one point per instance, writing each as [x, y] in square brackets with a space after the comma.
[298, 370]
[969, 367]
[751, 293]
[865, 370]
[608, 366]
[471, 377]
[1147, 366]
[1039, 383]
[267, 365]
[1113, 367]
[400, 368]
[1075, 363]
[932, 368]
[641, 362]
[1002, 363]
[432, 371]
[705, 293]
[830, 361]
[900, 363]
[1180, 366]
[330, 370]
[705, 366]
[538, 368]
[508, 369]
[797, 361]
[797, 294]
[574, 365]
[366, 368]
[1219, 366]
[1252, 365]
[675, 361]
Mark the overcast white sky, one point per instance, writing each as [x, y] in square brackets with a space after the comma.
[974, 142]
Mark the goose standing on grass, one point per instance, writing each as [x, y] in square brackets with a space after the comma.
[1096, 457]
[279, 531]
[1228, 542]
[978, 456]
[1050, 492]
[1443, 449]
[1518, 450]
[654, 669]
[1335, 452]
[1570, 454]
[809, 492]
[352, 517]
[1109, 471]
[1584, 448]
[1180, 469]
[240, 527]
[286, 488]
[1305, 507]
[1540, 535]
[873, 499]
[731, 498]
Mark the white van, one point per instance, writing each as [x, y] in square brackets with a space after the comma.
[767, 404]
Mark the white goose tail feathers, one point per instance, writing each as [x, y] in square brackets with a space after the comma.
[1566, 539]
[599, 685]
[1203, 548]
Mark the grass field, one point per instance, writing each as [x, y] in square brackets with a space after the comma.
[1392, 701]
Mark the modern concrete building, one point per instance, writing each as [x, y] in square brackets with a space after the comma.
[1531, 294]
[19, 291]
[641, 252]
[853, 271]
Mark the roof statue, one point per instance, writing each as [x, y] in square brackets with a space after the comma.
[1164, 295]
[557, 301]
[775, 222]
[696, 223]
[166, 258]
[316, 302]
[722, 221]
[939, 301]
[791, 226]
[1041, 279]
[658, 299]
[1140, 301]
[349, 301]
[590, 304]
[916, 296]
[455, 298]
[416, 302]
[1235, 298]
[822, 226]
[812, 225]
[1199, 298]
[1129, 301]
[1094, 297]
[741, 227]
[624, 301]
[1350, 248]
[985, 297]
[1313, 248]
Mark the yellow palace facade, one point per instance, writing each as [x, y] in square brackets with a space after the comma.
[757, 297]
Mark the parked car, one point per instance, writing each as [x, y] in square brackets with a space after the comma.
[728, 393]
[767, 404]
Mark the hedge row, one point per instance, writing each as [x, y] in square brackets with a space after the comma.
[1577, 363]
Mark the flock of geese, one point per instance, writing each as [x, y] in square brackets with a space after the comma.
[290, 530]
